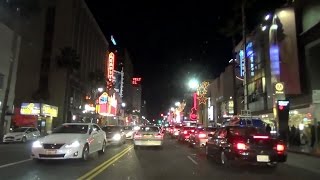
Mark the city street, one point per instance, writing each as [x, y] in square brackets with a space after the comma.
[175, 161]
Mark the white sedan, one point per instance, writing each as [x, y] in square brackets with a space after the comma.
[70, 141]
[148, 136]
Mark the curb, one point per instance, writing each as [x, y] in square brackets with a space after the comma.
[305, 153]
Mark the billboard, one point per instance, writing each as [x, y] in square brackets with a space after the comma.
[30, 109]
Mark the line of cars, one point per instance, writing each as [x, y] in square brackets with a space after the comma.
[78, 141]
[234, 144]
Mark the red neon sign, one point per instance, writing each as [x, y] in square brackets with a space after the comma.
[193, 114]
[136, 81]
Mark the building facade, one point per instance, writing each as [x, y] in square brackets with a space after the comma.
[61, 44]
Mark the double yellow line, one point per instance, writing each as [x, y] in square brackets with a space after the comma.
[97, 170]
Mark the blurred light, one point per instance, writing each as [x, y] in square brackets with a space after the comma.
[172, 108]
[230, 97]
[177, 104]
[123, 104]
[193, 84]
[301, 127]
[263, 28]
[143, 117]
[74, 117]
[100, 89]
[274, 27]
[267, 17]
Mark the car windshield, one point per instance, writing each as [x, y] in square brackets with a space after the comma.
[149, 129]
[111, 128]
[20, 130]
[71, 128]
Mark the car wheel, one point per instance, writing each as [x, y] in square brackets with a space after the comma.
[103, 149]
[24, 139]
[85, 153]
[223, 159]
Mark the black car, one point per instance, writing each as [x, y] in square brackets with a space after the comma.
[245, 144]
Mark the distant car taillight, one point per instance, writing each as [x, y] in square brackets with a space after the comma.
[201, 135]
[137, 136]
[241, 146]
[185, 132]
[158, 135]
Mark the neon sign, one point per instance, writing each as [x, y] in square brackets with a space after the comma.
[110, 68]
[136, 81]
[274, 60]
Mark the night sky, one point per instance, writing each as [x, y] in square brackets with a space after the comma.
[171, 42]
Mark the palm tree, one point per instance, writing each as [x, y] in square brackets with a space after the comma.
[97, 80]
[68, 59]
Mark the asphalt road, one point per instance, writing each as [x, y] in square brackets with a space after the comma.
[175, 161]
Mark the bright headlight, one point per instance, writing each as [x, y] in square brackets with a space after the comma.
[73, 144]
[37, 144]
[116, 137]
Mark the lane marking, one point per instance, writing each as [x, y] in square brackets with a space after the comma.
[85, 176]
[14, 163]
[107, 165]
[195, 162]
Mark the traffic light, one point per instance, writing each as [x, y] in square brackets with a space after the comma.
[283, 107]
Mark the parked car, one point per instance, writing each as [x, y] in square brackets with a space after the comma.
[22, 134]
[70, 141]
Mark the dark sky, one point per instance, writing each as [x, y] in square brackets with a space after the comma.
[170, 42]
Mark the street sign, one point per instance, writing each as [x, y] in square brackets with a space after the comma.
[279, 88]
[316, 96]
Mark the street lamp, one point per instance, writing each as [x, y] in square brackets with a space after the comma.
[100, 89]
[177, 104]
[193, 84]
[123, 104]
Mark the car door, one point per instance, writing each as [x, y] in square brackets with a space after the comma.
[29, 134]
[98, 137]
[35, 133]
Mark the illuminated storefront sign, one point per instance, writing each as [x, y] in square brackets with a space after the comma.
[274, 60]
[48, 110]
[279, 88]
[136, 81]
[30, 109]
[107, 105]
[38, 109]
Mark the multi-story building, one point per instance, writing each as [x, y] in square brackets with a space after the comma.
[9, 54]
[61, 45]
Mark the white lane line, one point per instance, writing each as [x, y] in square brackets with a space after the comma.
[14, 163]
[195, 162]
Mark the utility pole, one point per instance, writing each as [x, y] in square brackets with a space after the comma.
[245, 81]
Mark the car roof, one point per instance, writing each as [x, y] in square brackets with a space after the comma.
[79, 124]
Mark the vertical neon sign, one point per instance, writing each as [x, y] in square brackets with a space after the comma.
[110, 67]
[275, 60]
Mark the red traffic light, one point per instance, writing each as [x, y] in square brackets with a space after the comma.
[280, 108]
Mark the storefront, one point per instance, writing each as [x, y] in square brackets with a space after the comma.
[35, 115]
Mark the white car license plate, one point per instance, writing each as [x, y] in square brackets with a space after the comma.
[51, 151]
[263, 158]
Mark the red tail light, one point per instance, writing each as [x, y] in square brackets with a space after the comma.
[185, 132]
[280, 147]
[241, 146]
[261, 137]
[158, 136]
[201, 135]
[137, 136]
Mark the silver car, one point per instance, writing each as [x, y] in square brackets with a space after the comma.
[148, 136]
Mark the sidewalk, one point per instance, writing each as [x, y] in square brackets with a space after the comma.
[307, 150]
[304, 162]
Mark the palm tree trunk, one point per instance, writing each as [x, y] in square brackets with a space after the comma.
[67, 98]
